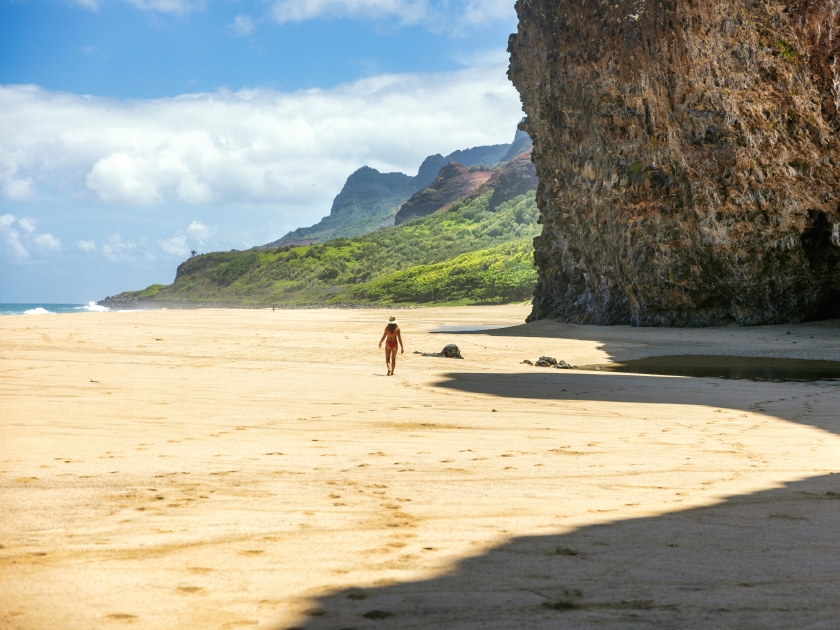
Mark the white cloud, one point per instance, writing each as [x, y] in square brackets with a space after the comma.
[121, 177]
[47, 242]
[117, 250]
[438, 14]
[242, 25]
[87, 246]
[18, 189]
[193, 191]
[27, 224]
[479, 12]
[200, 232]
[406, 11]
[285, 151]
[93, 5]
[18, 237]
[177, 7]
[177, 245]
[10, 242]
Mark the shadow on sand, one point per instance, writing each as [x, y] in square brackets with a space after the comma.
[767, 560]
[770, 559]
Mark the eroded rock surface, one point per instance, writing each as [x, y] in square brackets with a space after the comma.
[688, 158]
[516, 178]
[452, 182]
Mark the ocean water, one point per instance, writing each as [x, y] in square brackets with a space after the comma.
[46, 309]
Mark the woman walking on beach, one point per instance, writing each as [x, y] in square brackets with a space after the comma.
[391, 336]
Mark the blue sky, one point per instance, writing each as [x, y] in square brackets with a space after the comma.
[133, 131]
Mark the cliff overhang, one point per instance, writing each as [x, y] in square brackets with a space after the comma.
[688, 159]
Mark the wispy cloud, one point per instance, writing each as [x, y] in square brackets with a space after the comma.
[87, 246]
[406, 11]
[10, 243]
[200, 232]
[93, 5]
[30, 225]
[116, 249]
[242, 25]
[18, 237]
[18, 189]
[444, 15]
[176, 7]
[47, 242]
[479, 12]
[177, 245]
[181, 244]
[291, 150]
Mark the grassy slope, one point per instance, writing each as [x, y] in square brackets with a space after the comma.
[465, 254]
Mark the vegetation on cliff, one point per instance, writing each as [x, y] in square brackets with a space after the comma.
[466, 254]
[369, 199]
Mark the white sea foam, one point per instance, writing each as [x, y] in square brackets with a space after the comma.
[93, 307]
[36, 311]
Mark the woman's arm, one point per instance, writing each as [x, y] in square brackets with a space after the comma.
[383, 336]
[399, 338]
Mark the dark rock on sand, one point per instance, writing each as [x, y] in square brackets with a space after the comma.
[551, 362]
[450, 351]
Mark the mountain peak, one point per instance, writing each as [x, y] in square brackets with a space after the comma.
[452, 182]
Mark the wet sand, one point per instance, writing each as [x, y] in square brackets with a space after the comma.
[224, 469]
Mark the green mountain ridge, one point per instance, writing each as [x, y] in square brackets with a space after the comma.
[366, 203]
[465, 254]
[370, 199]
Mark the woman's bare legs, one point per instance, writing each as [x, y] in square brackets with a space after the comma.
[388, 352]
[393, 360]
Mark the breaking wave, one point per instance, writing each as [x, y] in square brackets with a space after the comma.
[93, 307]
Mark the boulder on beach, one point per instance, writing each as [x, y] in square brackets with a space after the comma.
[450, 351]
[551, 362]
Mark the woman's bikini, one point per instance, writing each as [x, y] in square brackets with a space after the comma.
[391, 339]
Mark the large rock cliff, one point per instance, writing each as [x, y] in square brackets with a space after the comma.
[688, 158]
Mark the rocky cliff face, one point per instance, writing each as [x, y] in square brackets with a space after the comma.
[521, 144]
[369, 199]
[453, 182]
[365, 203]
[517, 178]
[688, 158]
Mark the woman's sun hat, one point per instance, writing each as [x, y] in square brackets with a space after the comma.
[392, 320]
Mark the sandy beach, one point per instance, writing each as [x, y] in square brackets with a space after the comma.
[256, 468]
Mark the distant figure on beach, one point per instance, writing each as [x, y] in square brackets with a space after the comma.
[391, 336]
